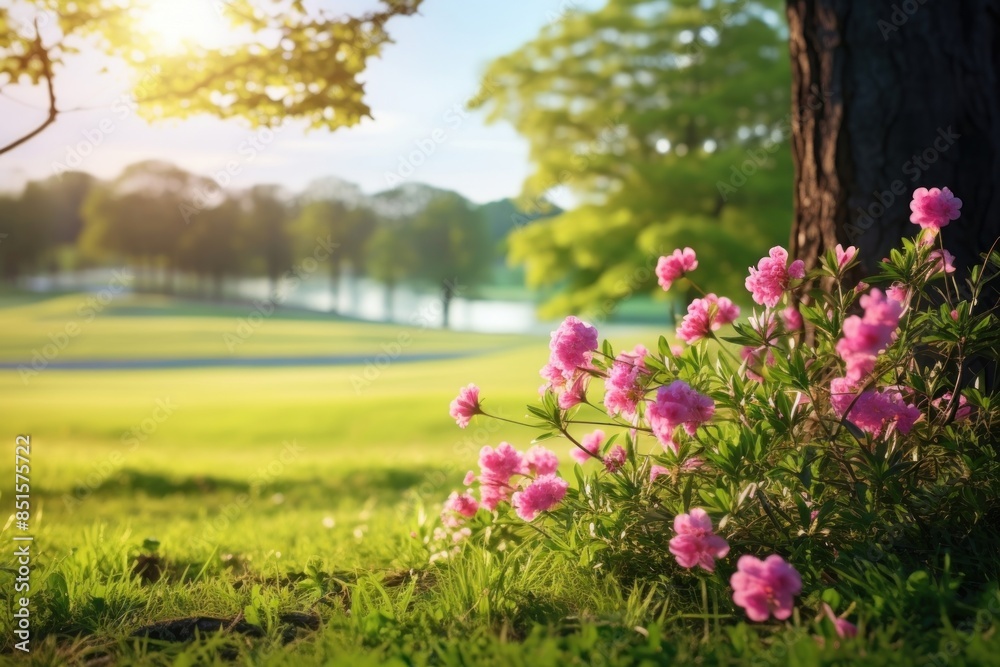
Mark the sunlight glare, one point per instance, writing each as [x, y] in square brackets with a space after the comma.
[176, 24]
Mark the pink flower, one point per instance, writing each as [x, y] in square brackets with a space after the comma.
[574, 394]
[769, 281]
[615, 459]
[692, 464]
[705, 316]
[844, 628]
[541, 495]
[657, 471]
[842, 393]
[458, 506]
[964, 410]
[934, 208]
[899, 293]
[572, 346]
[470, 477]
[844, 257]
[678, 405]
[674, 266]
[873, 411]
[541, 461]
[752, 356]
[553, 377]
[623, 387]
[695, 542]
[765, 587]
[954, 315]
[466, 405]
[590, 442]
[496, 468]
[864, 337]
[861, 286]
[945, 261]
[792, 318]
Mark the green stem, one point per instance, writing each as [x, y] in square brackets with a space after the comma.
[704, 605]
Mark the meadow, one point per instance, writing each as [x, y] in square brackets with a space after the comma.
[273, 515]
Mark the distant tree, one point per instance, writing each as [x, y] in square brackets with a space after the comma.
[214, 246]
[268, 214]
[22, 240]
[665, 122]
[348, 225]
[505, 216]
[136, 216]
[282, 59]
[64, 196]
[390, 258]
[452, 245]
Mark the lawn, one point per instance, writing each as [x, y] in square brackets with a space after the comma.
[286, 502]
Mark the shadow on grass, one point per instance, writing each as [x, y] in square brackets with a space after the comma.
[379, 482]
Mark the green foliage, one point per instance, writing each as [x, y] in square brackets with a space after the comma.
[348, 226]
[451, 242]
[41, 223]
[871, 516]
[664, 120]
[267, 216]
[274, 61]
[366, 578]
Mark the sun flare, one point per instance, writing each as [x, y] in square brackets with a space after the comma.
[176, 24]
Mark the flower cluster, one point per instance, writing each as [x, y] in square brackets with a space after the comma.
[705, 316]
[770, 280]
[754, 433]
[538, 488]
[765, 587]
[678, 404]
[675, 266]
[934, 208]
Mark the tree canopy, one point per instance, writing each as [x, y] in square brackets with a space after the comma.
[271, 61]
[664, 121]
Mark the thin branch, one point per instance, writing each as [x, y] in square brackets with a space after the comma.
[43, 54]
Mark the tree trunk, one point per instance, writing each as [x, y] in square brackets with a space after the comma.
[389, 303]
[335, 285]
[447, 294]
[889, 96]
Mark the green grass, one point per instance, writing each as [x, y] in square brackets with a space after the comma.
[296, 490]
[78, 326]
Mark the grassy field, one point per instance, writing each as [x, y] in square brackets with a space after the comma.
[243, 476]
[283, 501]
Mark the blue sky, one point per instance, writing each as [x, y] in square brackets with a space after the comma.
[414, 90]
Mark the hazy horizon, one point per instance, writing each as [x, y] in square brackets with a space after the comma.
[420, 132]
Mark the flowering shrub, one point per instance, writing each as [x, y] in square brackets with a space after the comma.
[837, 422]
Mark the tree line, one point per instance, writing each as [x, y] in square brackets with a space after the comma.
[167, 222]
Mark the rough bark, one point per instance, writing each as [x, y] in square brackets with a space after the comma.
[889, 96]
